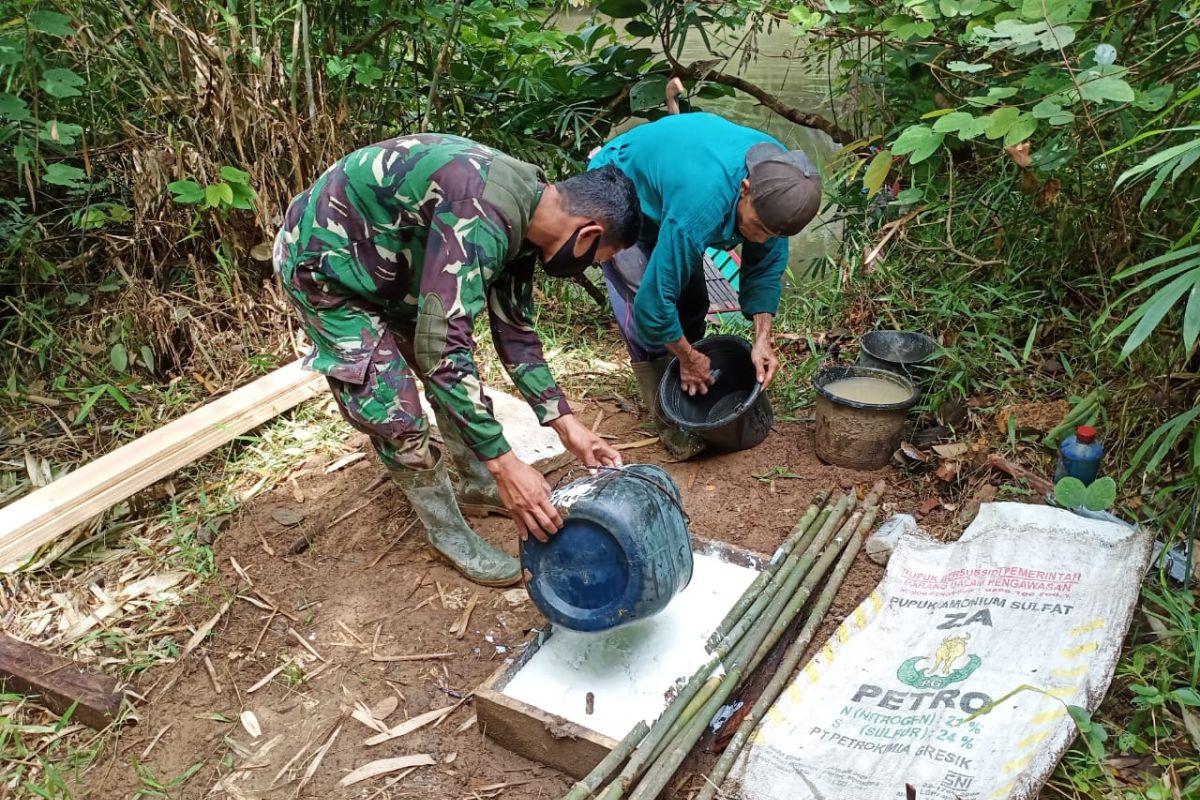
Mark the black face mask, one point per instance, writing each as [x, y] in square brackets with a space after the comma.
[565, 264]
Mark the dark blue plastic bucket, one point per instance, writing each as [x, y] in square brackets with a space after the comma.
[624, 550]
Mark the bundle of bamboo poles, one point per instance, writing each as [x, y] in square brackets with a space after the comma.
[828, 536]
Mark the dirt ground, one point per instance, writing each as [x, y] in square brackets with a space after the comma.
[366, 587]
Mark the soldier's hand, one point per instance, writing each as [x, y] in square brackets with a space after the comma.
[584, 444]
[526, 495]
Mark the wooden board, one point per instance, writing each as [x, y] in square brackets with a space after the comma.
[548, 738]
[58, 682]
[76, 497]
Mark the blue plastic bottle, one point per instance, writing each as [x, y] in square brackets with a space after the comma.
[1079, 455]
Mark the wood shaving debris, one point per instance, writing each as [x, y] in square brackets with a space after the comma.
[385, 765]
[345, 461]
[250, 723]
[410, 725]
[204, 630]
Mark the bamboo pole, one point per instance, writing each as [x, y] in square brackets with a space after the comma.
[791, 660]
[758, 642]
[795, 564]
[697, 691]
[583, 789]
[781, 553]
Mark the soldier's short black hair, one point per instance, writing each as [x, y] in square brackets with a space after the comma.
[609, 197]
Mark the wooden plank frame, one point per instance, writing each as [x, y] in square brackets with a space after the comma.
[548, 738]
[49, 512]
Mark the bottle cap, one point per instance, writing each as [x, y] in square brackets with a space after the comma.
[1085, 434]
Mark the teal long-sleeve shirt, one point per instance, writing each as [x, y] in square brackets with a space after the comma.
[688, 170]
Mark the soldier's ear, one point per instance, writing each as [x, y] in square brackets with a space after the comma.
[588, 234]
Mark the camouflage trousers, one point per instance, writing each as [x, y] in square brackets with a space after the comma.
[387, 405]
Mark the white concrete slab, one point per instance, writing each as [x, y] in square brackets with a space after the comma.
[531, 442]
[629, 670]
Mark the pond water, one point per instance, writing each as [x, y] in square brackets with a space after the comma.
[777, 68]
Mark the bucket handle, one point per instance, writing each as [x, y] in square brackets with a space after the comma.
[575, 470]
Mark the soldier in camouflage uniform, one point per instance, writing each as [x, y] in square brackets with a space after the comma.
[388, 258]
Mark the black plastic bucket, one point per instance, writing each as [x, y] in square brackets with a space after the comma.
[735, 414]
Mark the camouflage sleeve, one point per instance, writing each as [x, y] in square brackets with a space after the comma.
[465, 246]
[510, 307]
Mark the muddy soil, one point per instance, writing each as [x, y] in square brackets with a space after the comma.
[365, 589]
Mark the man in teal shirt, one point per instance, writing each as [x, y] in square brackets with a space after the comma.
[702, 182]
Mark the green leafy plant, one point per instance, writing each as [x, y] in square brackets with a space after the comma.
[233, 191]
[1099, 495]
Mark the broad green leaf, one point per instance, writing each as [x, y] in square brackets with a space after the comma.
[118, 357]
[147, 357]
[1069, 492]
[1106, 88]
[910, 195]
[64, 133]
[1021, 130]
[76, 299]
[13, 108]
[50, 22]
[621, 9]
[877, 172]
[243, 196]
[64, 175]
[1001, 120]
[1186, 696]
[963, 66]
[993, 97]
[1056, 11]
[648, 93]
[1154, 99]
[953, 122]
[11, 52]
[918, 142]
[61, 83]
[839, 6]
[949, 8]
[939, 112]
[639, 29]
[118, 395]
[235, 175]
[1046, 109]
[1100, 494]
[186, 192]
[216, 194]
[914, 30]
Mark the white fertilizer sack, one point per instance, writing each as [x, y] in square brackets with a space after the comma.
[1030, 595]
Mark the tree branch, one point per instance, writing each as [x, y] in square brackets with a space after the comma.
[703, 71]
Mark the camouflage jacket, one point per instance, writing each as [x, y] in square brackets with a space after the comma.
[419, 233]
